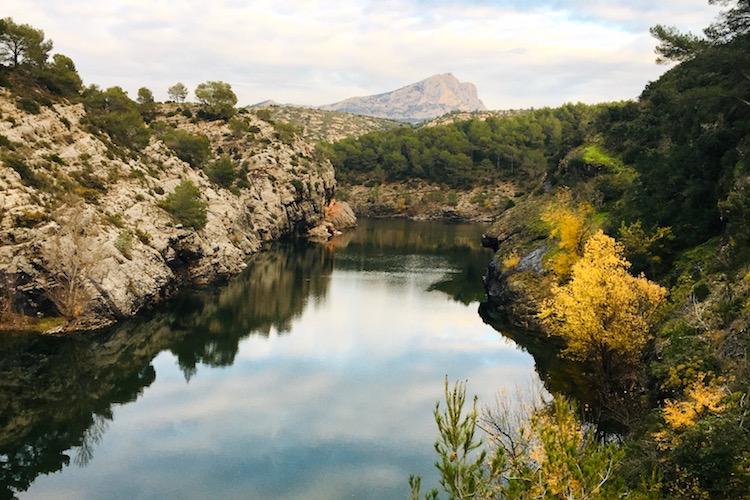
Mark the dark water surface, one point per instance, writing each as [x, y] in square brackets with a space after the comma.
[311, 375]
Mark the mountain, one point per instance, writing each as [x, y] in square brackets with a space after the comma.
[424, 100]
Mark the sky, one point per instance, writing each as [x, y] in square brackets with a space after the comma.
[518, 53]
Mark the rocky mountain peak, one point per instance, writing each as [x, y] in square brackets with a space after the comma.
[423, 100]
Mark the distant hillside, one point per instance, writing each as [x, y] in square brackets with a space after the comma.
[319, 125]
[424, 100]
[462, 116]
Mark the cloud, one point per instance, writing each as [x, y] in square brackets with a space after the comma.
[312, 51]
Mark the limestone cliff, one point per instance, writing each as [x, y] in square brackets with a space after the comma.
[135, 252]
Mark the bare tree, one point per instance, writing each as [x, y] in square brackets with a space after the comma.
[72, 257]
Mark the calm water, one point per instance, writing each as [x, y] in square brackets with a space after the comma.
[312, 375]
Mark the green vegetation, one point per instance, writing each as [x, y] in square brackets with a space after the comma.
[190, 148]
[112, 112]
[186, 206]
[124, 243]
[177, 92]
[21, 44]
[660, 186]
[521, 147]
[217, 100]
[24, 55]
[222, 171]
[146, 104]
[554, 455]
[286, 132]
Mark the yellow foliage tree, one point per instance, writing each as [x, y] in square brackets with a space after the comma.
[570, 224]
[700, 398]
[603, 311]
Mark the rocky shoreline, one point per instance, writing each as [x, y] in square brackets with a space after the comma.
[419, 200]
[76, 211]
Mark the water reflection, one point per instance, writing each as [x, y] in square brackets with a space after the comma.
[311, 375]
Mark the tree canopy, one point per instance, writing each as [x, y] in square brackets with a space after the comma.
[177, 92]
[217, 99]
[520, 147]
[22, 44]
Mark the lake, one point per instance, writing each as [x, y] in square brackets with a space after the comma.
[313, 374]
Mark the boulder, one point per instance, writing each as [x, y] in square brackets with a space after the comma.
[340, 214]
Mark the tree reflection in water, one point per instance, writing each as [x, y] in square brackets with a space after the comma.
[57, 394]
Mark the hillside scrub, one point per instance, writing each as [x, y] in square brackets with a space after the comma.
[222, 171]
[191, 148]
[186, 206]
[112, 112]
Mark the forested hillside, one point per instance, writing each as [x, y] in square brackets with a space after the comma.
[631, 256]
[520, 147]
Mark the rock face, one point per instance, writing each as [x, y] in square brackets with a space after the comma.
[321, 125]
[340, 214]
[136, 253]
[419, 200]
[424, 100]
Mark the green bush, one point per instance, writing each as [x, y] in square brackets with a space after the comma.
[124, 243]
[30, 218]
[186, 206]
[286, 132]
[111, 111]
[238, 127]
[222, 171]
[61, 76]
[143, 236]
[190, 148]
[28, 105]
[6, 143]
[265, 115]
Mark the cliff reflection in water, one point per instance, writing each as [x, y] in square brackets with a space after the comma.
[57, 393]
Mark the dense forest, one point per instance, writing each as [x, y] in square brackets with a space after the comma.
[466, 153]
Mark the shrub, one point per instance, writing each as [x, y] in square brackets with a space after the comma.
[222, 171]
[116, 220]
[238, 127]
[114, 113]
[186, 206]
[265, 115]
[30, 218]
[286, 132]
[143, 236]
[28, 176]
[88, 179]
[28, 105]
[124, 243]
[452, 198]
[61, 76]
[6, 143]
[191, 148]
[298, 186]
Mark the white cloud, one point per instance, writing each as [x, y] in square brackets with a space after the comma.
[314, 51]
